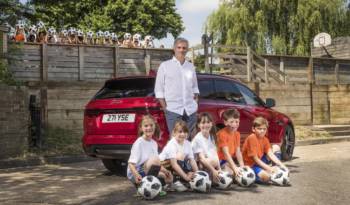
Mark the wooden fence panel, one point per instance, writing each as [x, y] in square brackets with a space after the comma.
[25, 61]
[324, 71]
[320, 104]
[344, 73]
[63, 63]
[339, 100]
[98, 63]
[340, 48]
[81, 62]
[66, 102]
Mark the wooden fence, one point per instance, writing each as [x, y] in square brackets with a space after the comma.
[64, 77]
[56, 62]
[340, 48]
[40, 65]
[245, 64]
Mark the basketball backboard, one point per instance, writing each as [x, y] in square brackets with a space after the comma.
[322, 39]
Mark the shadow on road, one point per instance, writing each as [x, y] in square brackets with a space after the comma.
[88, 183]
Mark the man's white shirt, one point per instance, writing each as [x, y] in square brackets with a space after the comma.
[177, 84]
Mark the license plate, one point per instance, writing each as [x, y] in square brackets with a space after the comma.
[112, 118]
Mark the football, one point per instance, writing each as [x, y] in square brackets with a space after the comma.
[203, 173]
[247, 177]
[226, 180]
[150, 187]
[200, 182]
[281, 176]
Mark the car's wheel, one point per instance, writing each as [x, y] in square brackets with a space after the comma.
[115, 166]
[287, 147]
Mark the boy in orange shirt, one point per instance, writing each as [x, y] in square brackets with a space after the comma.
[229, 139]
[257, 152]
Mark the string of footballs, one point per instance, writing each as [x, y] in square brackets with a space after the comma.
[39, 34]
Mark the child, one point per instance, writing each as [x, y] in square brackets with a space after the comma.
[144, 158]
[203, 145]
[20, 35]
[257, 151]
[229, 142]
[178, 157]
[42, 32]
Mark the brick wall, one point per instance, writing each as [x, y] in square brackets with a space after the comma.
[14, 121]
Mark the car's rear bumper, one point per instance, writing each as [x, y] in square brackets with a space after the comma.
[108, 146]
[105, 151]
[109, 139]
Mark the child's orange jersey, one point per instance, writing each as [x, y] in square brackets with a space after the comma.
[254, 146]
[19, 37]
[228, 138]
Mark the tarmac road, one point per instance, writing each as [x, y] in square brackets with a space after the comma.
[320, 174]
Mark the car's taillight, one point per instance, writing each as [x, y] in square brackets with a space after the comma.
[92, 112]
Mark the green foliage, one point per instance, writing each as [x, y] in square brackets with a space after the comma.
[278, 45]
[283, 27]
[152, 17]
[12, 11]
[199, 62]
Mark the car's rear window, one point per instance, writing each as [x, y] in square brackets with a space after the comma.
[138, 87]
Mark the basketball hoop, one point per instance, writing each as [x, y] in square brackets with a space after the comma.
[322, 40]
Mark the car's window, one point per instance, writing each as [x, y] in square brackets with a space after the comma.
[226, 90]
[127, 88]
[206, 89]
[250, 97]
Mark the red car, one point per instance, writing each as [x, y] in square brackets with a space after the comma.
[111, 118]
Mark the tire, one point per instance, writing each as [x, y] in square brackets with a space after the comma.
[117, 167]
[287, 147]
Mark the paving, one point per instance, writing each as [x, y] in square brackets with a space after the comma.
[320, 174]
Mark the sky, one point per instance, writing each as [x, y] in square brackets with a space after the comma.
[194, 14]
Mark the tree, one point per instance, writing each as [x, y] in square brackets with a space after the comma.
[12, 11]
[147, 17]
[199, 63]
[278, 26]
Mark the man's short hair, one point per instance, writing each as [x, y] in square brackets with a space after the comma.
[230, 113]
[180, 39]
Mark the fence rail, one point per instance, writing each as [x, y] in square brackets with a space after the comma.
[248, 66]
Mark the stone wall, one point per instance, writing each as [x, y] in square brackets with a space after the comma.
[14, 121]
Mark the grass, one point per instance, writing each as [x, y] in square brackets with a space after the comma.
[308, 132]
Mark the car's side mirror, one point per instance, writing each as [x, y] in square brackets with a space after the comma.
[270, 102]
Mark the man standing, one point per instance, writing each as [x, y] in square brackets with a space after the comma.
[177, 87]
